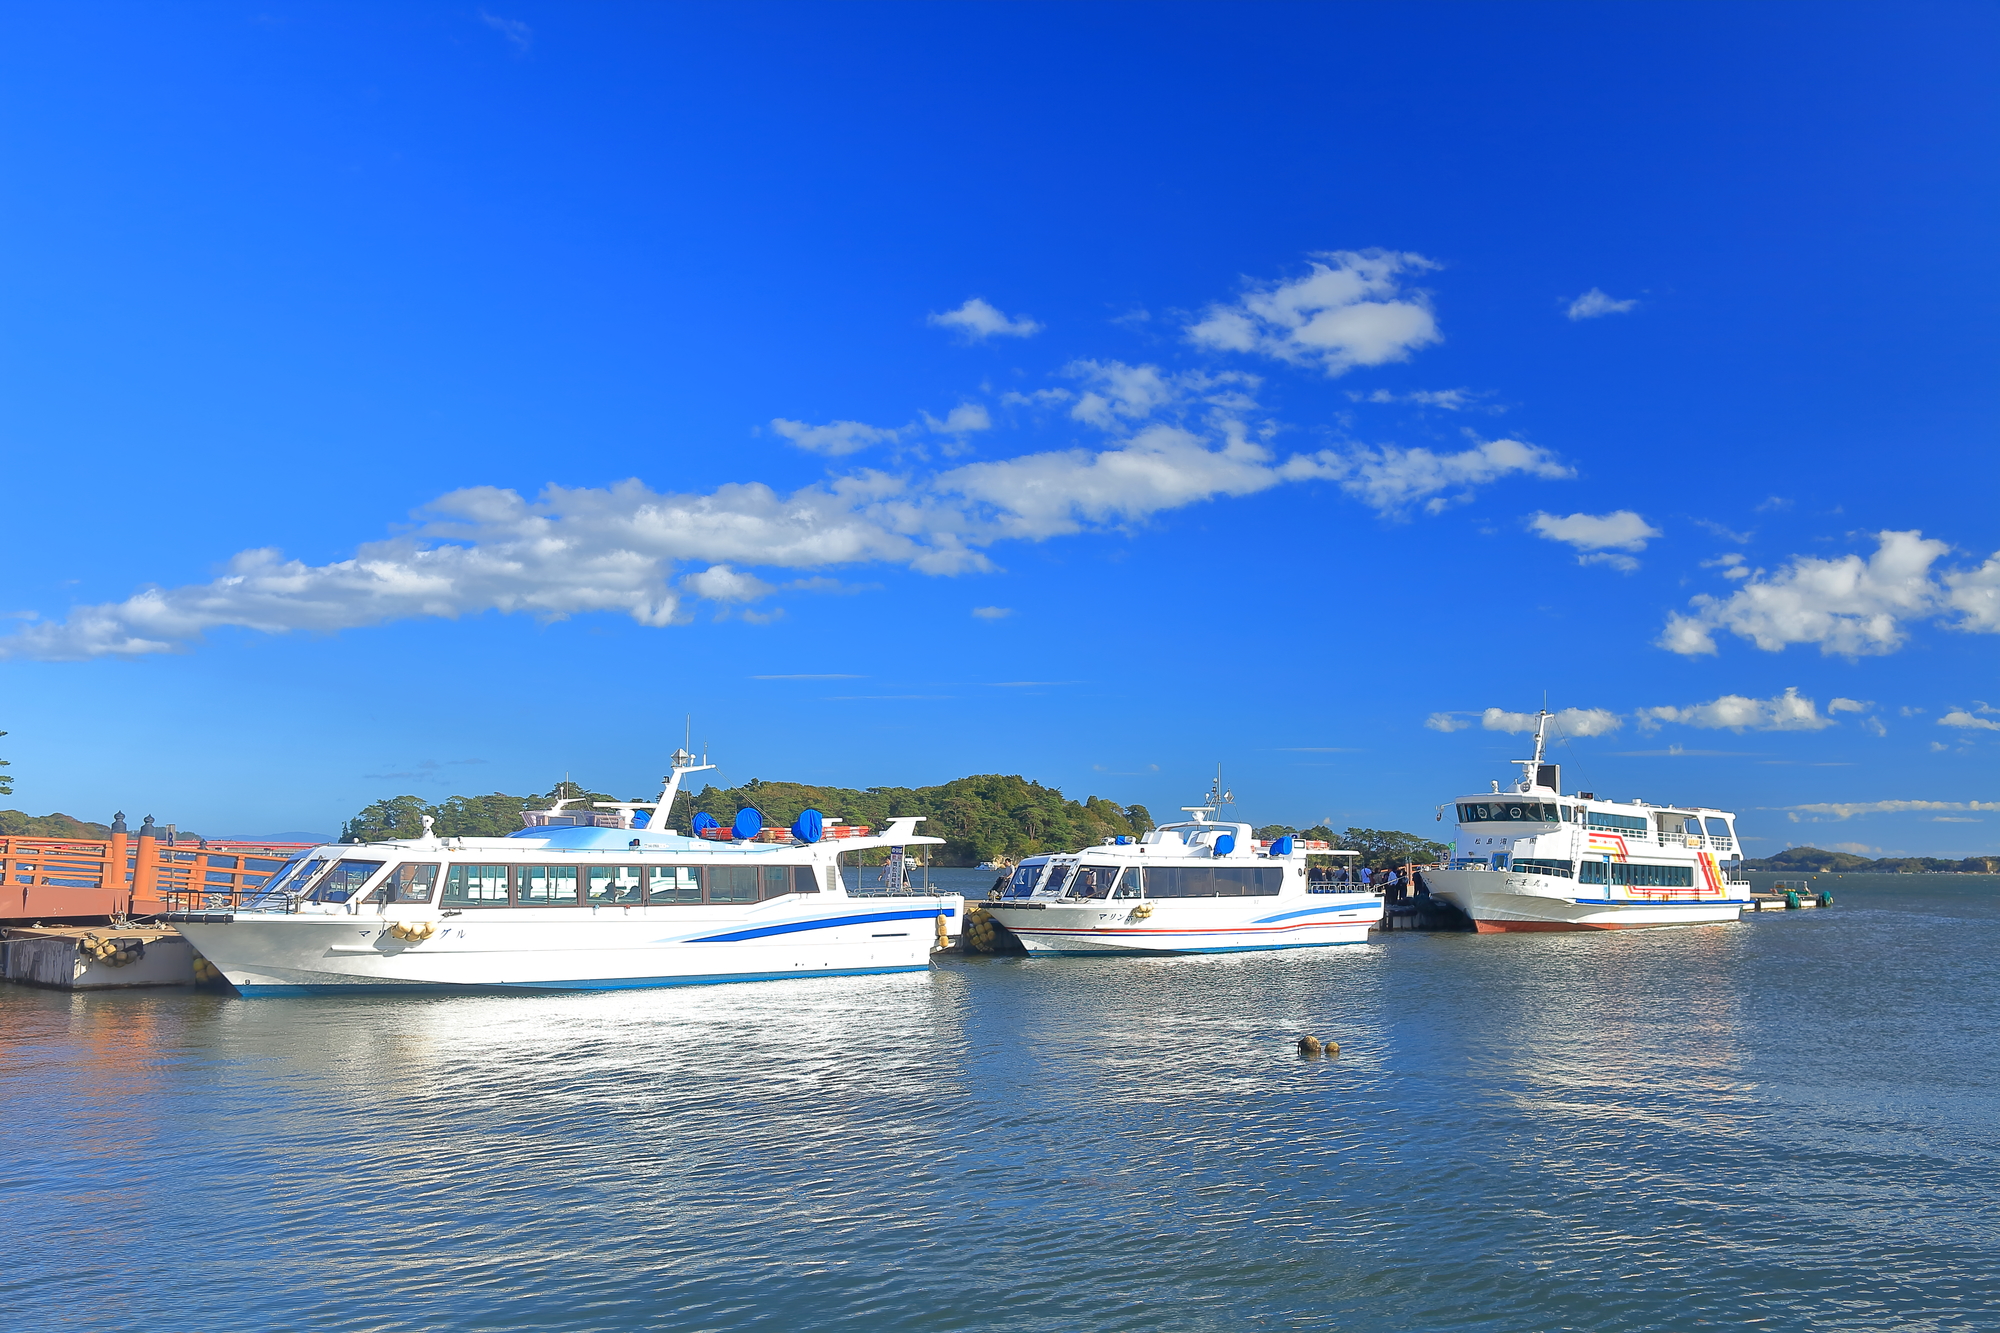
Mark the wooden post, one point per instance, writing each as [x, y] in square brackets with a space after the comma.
[114, 866]
[146, 871]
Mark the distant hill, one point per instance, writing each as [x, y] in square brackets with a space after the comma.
[989, 817]
[1818, 859]
[19, 824]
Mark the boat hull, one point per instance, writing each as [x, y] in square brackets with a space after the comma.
[1505, 901]
[580, 949]
[1179, 926]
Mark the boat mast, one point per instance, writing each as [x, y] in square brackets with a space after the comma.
[1531, 768]
[1216, 798]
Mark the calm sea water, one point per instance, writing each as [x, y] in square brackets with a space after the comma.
[1790, 1123]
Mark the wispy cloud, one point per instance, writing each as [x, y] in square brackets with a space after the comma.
[835, 437]
[1349, 310]
[992, 612]
[1449, 400]
[516, 32]
[1596, 302]
[976, 321]
[1850, 809]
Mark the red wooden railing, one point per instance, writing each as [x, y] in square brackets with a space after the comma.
[65, 879]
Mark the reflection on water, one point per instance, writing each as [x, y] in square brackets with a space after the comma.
[1788, 1122]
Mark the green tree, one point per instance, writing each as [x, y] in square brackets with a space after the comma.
[6, 779]
[1384, 849]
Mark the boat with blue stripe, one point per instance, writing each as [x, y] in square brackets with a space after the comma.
[598, 899]
[1199, 886]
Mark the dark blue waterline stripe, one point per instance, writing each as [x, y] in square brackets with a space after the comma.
[791, 927]
[1230, 948]
[621, 983]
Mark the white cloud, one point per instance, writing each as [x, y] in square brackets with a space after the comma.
[978, 321]
[992, 612]
[1968, 721]
[1349, 311]
[1115, 393]
[1599, 536]
[720, 583]
[835, 437]
[1975, 595]
[1620, 530]
[1840, 705]
[1849, 809]
[964, 418]
[1391, 479]
[1596, 302]
[1735, 712]
[1731, 565]
[1571, 721]
[1446, 722]
[1846, 605]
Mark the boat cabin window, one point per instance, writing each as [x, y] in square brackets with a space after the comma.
[1623, 823]
[1214, 881]
[673, 884]
[1092, 881]
[1131, 884]
[731, 884]
[778, 880]
[1022, 884]
[344, 880]
[545, 886]
[475, 886]
[1058, 877]
[1636, 875]
[411, 882]
[1510, 812]
[614, 884]
[1717, 828]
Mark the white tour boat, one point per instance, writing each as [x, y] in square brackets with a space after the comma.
[579, 900]
[1201, 886]
[1532, 858]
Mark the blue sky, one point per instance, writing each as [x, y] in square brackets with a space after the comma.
[442, 398]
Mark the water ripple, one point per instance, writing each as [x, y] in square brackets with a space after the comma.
[1788, 1124]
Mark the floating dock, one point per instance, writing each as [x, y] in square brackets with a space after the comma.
[100, 958]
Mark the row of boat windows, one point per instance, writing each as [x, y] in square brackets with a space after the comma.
[1547, 812]
[1628, 873]
[467, 885]
[1076, 881]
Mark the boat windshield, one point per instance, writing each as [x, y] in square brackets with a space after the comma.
[1092, 881]
[343, 881]
[289, 878]
[1022, 883]
[1507, 812]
